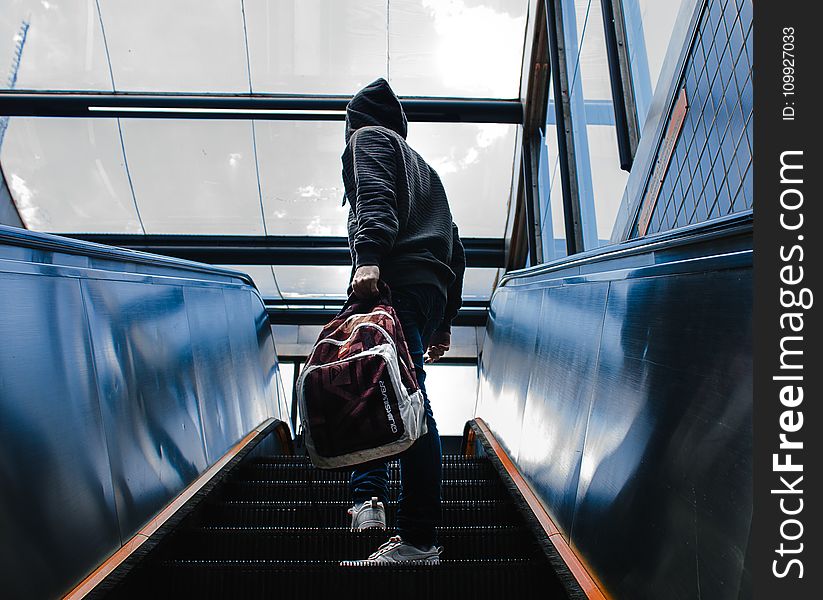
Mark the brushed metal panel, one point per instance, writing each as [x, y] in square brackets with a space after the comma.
[668, 450]
[267, 355]
[244, 311]
[559, 399]
[217, 380]
[637, 431]
[106, 392]
[57, 509]
[507, 365]
[148, 391]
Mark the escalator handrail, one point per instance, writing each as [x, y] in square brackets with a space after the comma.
[737, 224]
[14, 236]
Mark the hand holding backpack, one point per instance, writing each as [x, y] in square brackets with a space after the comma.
[358, 394]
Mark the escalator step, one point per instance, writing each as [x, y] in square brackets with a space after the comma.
[333, 514]
[298, 471]
[314, 579]
[321, 543]
[454, 489]
[278, 527]
[280, 459]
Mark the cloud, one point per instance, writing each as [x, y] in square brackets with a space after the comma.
[488, 133]
[33, 216]
[316, 227]
[477, 47]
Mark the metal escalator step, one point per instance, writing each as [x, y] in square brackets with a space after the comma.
[512, 578]
[278, 527]
[447, 459]
[301, 471]
[333, 513]
[338, 543]
[453, 489]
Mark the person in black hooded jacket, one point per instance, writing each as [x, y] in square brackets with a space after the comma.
[401, 231]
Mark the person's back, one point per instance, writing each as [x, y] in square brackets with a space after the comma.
[401, 231]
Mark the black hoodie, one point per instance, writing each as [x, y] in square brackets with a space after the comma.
[399, 217]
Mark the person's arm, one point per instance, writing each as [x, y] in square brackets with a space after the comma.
[441, 338]
[375, 171]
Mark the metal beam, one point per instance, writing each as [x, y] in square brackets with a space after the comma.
[271, 250]
[337, 303]
[565, 133]
[279, 315]
[626, 144]
[246, 106]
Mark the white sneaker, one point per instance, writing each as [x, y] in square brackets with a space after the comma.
[369, 514]
[398, 551]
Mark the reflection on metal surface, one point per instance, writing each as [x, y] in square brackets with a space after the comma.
[120, 382]
[624, 394]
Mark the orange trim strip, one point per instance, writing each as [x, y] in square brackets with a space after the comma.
[139, 538]
[470, 437]
[588, 583]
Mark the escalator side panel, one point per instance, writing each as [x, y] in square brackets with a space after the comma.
[57, 506]
[223, 421]
[568, 321]
[114, 373]
[150, 411]
[637, 425]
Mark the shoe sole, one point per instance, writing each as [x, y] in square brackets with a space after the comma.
[373, 563]
[370, 525]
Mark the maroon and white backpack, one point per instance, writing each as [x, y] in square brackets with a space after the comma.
[358, 394]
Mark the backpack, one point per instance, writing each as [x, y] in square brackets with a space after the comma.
[357, 393]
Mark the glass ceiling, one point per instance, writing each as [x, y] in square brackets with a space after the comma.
[74, 175]
[423, 47]
[244, 177]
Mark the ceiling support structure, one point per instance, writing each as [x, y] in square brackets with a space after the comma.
[270, 250]
[282, 315]
[245, 106]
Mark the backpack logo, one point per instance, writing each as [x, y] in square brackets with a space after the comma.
[384, 392]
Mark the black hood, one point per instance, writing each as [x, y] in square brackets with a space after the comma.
[375, 104]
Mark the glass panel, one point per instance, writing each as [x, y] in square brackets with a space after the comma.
[68, 175]
[474, 161]
[287, 381]
[300, 176]
[302, 187]
[478, 283]
[444, 48]
[194, 176]
[199, 176]
[649, 27]
[316, 46]
[262, 276]
[550, 192]
[50, 45]
[608, 181]
[180, 46]
[600, 180]
[452, 391]
[328, 282]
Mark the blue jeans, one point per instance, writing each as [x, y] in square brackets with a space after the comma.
[420, 310]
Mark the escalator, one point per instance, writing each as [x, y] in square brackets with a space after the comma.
[278, 527]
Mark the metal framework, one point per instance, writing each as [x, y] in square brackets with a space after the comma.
[272, 249]
[245, 106]
[565, 135]
[625, 128]
[280, 314]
